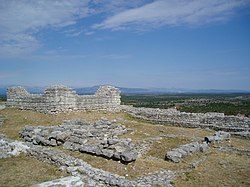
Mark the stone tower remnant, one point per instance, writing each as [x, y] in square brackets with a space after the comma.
[57, 99]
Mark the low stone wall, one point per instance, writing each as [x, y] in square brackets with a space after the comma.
[58, 99]
[216, 121]
[82, 173]
[99, 138]
[177, 154]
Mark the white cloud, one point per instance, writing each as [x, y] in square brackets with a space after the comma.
[21, 19]
[115, 6]
[15, 44]
[173, 12]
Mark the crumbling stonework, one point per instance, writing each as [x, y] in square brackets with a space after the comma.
[99, 138]
[217, 121]
[82, 173]
[58, 99]
[11, 148]
[218, 137]
[177, 154]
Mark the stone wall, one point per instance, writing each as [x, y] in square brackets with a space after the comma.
[236, 125]
[58, 99]
[81, 171]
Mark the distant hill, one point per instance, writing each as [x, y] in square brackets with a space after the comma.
[93, 89]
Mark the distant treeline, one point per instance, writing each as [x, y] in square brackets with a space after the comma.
[230, 104]
[3, 98]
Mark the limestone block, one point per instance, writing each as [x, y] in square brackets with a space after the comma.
[62, 182]
[177, 154]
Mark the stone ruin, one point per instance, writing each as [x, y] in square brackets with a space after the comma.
[177, 154]
[58, 99]
[99, 138]
[82, 173]
[236, 125]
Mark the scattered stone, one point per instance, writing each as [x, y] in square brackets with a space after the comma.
[196, 163]
[96, 177]
[99, 138]
[177, 154]
[236, 125]
[2, 106]
[218, 137]
[10, 148]
[243, 134]
[168, 135]
[232, 150]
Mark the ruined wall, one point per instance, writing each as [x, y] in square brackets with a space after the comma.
[58, 99]
[218, 121]
[106, 98]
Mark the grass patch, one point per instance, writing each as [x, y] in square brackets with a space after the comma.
[211, 172]
[16, 119]
[219, 169]
[142, 166]
[159, 148]
[25, 171]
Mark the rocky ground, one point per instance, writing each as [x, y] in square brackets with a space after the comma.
[113, 149]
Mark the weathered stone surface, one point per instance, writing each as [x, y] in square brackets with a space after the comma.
[10, 148]
[236, 125]
[99, 138]
[244, 134]
[71, 181]
[58, 99]
[2, 106]
[218, 137]
[174, 156]
[128, 155]
[96, 177]
[177, 154]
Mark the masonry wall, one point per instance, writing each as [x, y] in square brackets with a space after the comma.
[58, 99]
[212, 120]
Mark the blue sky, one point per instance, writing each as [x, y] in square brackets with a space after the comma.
[194, 44]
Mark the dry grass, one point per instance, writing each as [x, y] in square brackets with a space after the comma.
[17, 119]
[24, 171]
[142, 166]
[211, 172]
[219, 169]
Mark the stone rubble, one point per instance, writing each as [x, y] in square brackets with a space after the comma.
[10, 148]
[57, 99]
[177, 154]
[99, 138]
[218, 137]
[70, 181]
[82, 173]
[232, 150]
[217, 121]
[2, 106]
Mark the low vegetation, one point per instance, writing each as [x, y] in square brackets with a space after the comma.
[230, 104]
[3, 98]
[217, 169]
